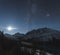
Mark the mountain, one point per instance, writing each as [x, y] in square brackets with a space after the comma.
[10, 36]
[15, 36]
[18, 35]
[43, 34]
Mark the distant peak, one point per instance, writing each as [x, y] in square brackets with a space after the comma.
[18, 34]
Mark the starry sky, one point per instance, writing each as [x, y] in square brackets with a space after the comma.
[26, 15]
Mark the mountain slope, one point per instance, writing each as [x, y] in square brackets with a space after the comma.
[18, 34]
[43, 34]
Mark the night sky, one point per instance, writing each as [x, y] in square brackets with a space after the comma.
[26, 15]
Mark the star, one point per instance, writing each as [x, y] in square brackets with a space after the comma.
[47, 15]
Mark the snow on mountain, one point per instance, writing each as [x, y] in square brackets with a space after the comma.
[18, 34]
[15, 36]
[39, 34]
[43, 34]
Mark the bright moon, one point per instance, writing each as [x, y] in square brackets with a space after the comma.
[10, 28]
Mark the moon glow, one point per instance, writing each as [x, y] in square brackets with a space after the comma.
[10, 28]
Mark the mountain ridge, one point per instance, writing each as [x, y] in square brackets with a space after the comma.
[43, 34]
[40, 34]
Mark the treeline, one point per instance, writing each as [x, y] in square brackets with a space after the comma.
[11, 47]
[54, 42]
[7, 46]
[52, 45]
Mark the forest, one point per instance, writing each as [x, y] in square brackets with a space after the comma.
[16, 47]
